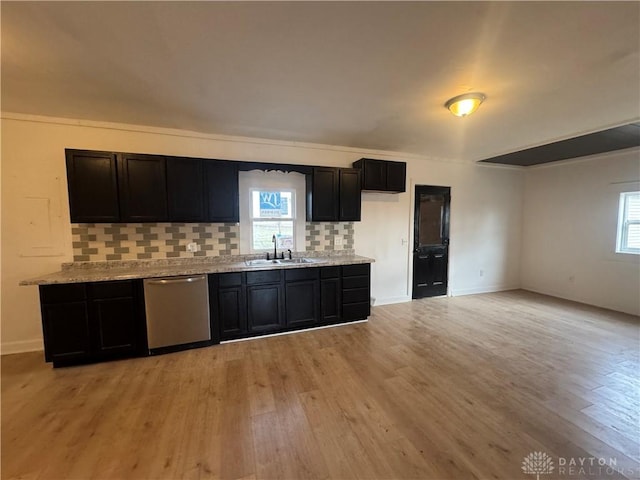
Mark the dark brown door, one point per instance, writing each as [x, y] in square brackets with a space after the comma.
[431, 241]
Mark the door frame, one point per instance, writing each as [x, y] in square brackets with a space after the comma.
[412, 236]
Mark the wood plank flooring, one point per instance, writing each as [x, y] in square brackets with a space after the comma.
[446, 388]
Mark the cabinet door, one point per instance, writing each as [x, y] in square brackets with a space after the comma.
[350, 198]
[66, 332]
[264, 308]
[301, 299]
[114, 325]
[221, 191]
[396, 176]
[374, 175]
[330, 302]
[232, 313]
[185, 190]
[93, 187]
[323, 198]
[143, 188]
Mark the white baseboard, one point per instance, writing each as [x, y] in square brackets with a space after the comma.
[21, 346]
[457, 292]
[390, 300]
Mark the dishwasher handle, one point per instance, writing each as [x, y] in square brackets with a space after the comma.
[166, 281]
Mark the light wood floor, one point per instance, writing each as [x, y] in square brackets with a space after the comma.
[447, 388]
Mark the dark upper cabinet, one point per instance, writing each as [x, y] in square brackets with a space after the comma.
[396, 176]
[382, 175]
[323, 195]
[185, 189]
[93, 186]
[143, 188]
[333, 194]
[350, 198]
[222, 202]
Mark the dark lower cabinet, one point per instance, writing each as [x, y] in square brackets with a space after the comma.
[330, 295]
[114, 326]
[265, 312]
[302, 297]
[245, 304]
[356, 291]
[264, 308]
[92, 322]
[228, 305]
[66, 331]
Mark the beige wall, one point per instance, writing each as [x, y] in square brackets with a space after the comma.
[485, 213]
[569, 231]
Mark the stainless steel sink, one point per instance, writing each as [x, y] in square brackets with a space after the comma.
[296, 260]
[282, 261]
[261, 262]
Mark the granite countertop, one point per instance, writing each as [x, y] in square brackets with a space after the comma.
[81, 272]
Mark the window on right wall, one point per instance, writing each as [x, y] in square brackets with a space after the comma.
[628, 239]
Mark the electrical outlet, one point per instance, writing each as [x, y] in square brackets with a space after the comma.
[482, 273]
[337, 241]
[192, 247]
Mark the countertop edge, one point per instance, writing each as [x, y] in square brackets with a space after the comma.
[106, 275]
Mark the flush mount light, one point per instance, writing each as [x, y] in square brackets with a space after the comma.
[466, 104]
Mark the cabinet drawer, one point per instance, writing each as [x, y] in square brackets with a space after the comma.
[355, 282]
[68, 292]
[356, 311]
[330, 272]
[269, 276]
[230, 279]
[301, 274]
[355, 295]
[110, 289]
[358, 269]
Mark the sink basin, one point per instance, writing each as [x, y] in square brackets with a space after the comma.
[296, 260]
[282, 261]
[261, 262]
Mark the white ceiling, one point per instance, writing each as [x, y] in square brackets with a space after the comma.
[360, 74]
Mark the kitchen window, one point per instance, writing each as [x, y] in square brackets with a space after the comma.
[272, 219]
[272, 203]
[628, 239]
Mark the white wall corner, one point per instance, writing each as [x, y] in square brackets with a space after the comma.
[390, 300]
[22, 346]
[457, 292]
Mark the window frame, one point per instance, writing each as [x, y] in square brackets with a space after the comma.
[292, 219]
[622, 229]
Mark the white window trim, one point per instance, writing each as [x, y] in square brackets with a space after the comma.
[252, 219]
[272, 180]
[623, 225]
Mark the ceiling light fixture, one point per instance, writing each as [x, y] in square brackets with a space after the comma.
[465, 104]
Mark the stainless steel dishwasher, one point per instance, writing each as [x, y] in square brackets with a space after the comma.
[177, 311]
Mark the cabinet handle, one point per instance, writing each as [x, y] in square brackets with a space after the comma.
[176, 280]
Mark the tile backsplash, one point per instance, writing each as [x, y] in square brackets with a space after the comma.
[137, 241]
